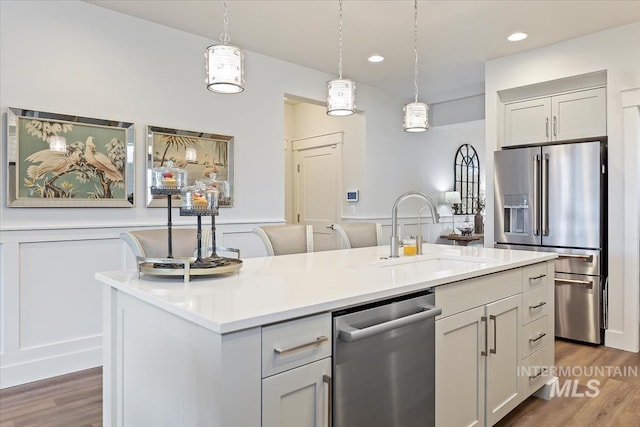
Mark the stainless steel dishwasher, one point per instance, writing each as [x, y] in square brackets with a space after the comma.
[384, 363]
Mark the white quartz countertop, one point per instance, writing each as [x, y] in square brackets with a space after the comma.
[272, 289]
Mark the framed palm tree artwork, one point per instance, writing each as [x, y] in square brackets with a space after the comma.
[60, 160]
[202, 155]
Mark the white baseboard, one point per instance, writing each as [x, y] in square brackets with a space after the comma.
[620, 340]
[34, 370]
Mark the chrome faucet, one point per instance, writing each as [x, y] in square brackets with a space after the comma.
[395, 240]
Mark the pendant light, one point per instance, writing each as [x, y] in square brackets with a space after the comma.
[416, 114]
[224, 64]
[341, 93]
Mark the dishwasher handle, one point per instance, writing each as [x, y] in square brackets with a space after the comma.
[349, 333]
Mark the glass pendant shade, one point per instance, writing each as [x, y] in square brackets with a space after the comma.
[58, 143]
[416, 117]
[224, 65]
[341, 97]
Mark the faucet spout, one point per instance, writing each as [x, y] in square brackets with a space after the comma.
[394, 217]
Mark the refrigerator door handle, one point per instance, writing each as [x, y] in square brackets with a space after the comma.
[545, 195]
[536, 195]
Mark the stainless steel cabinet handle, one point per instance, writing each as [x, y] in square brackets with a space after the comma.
[538, 374]
[555, 126]
[494, 350]
[542, 334]
[349, 333]
[537, 277]
[585, 258]
[538, 305]
[327, 380]
[574, 282]
[486, 336]
[317, 341]
[546, 127]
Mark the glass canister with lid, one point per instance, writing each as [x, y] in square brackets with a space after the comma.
[167, 178]
[198, 199]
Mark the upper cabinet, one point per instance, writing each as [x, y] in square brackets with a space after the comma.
[574, 115]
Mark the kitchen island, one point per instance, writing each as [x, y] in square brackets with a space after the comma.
[215, 351]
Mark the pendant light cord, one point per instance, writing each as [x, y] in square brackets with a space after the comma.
[415, 46]
[224, 37]
[340, 42]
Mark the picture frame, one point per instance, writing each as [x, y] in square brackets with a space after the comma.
[60, 160]
[208, 153]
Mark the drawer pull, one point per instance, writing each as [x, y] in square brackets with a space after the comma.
[537, 277]
[540, 304]
[574, 282]
[486, 336]
[538, 337]
[538, 374]
[317, 341]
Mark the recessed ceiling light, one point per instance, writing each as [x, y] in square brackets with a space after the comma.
[376, 58]
[516, 37]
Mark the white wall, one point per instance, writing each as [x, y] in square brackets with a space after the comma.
[75, 58]
[616, 52]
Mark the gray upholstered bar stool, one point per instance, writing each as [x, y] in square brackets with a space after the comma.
[152, 243]
[286, 238]
[359, 234]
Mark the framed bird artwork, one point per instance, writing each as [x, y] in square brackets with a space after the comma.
[201, 155]
[57, 160]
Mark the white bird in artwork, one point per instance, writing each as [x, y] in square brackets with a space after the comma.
[100, 161]
[51, 162]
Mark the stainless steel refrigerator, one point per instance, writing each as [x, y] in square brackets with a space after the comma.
[553, 198]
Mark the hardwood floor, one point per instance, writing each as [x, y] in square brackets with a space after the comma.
[617, 402]
[75, 400]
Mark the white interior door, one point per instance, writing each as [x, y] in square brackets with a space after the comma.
[317, 186]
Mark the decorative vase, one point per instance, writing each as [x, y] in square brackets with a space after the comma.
[479, 223]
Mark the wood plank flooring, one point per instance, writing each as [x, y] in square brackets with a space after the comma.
[75, 400]
[617, 402]
[72, 400]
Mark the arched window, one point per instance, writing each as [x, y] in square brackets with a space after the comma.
[466, 172]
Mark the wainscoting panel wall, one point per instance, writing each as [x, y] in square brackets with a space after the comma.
[50, 303]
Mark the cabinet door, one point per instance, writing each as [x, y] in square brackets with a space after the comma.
[579, 114]
[504, 317]
[527, 122]
[298, 397]
[460, 369]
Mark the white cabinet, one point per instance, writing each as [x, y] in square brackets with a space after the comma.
[503, 358]
[484, 365]
[460, 369]
[296, 370]
[477, 362]
[299, 397]
[537, 326]
[574, 115]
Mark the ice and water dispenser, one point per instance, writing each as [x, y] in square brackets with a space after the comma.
[516, 213]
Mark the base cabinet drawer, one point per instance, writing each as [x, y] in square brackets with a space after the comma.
[300, 397]
[535, 335]
[294, 343]
[535, 370]
[535, 304]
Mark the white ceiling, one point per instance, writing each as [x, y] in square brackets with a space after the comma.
[456, 37]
